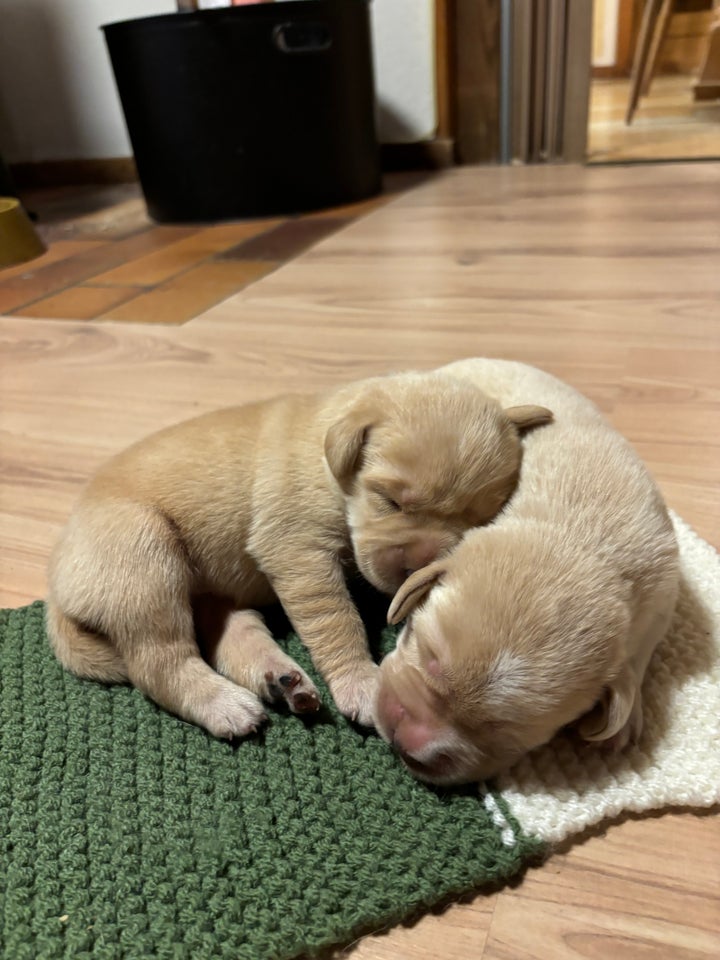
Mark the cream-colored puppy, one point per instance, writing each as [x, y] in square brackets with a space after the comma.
[546, 617]
[266, 501]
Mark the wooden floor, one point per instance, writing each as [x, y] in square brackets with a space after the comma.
[668, 125]
[608, 277]
[106, 260]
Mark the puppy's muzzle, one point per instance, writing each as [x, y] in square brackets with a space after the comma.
[396, 563]
[440, 766]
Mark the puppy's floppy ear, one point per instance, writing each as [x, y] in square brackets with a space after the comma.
[528, 416]
[612, 712]
[416, 586]
[344, 442]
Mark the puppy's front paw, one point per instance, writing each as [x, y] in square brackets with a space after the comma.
[354, 692]
[293, 685]
[232, 712]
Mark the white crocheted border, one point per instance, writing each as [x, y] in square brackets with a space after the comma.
[562, 788]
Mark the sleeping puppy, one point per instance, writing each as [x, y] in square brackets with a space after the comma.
[266, 501]
[547, 617]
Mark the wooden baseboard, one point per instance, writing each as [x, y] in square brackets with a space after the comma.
[435, 154]
[432, 155]
[63, 173]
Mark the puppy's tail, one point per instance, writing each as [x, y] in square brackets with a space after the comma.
[80, 650]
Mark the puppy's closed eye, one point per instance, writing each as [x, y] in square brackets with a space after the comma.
[386, 499]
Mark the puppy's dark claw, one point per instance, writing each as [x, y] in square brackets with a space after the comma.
[285, 687]
[305, 702]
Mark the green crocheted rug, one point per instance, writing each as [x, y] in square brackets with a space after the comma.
[127, 834]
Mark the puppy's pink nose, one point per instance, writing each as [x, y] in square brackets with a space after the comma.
[413, 736]
[420, 554]
[397, 563]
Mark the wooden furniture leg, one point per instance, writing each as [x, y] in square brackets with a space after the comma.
[642, 50]
[658, 36]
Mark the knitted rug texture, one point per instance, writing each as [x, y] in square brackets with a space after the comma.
[129, 834]
[125, 833]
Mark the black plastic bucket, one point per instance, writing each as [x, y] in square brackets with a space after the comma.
[249, 111]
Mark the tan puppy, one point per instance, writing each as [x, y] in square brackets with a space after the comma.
[267, 501]
[548, 616]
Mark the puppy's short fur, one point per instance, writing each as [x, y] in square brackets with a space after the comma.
[546, 617]
[264, 501]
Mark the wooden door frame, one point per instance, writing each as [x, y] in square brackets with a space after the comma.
[467, 90]
[468, 80]
[472, 42]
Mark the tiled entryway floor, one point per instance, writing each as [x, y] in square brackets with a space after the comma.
[106, 260]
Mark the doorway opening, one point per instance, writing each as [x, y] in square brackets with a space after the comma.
[655, 89]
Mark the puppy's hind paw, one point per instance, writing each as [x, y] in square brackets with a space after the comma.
[354, 693]
[295, 687]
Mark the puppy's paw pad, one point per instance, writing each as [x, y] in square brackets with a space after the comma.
[354, 693]
[233, 713]
[295, 687]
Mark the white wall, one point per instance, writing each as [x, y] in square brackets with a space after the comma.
[606, 14]
[404, 55]
[57, 94]
[58, 99]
